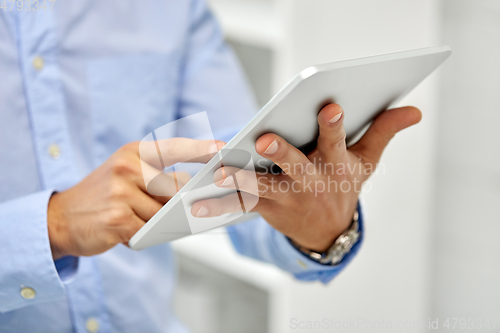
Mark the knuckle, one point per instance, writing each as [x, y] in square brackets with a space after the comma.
[202, 149]
[335, 143]
[341, 143]
[119, 191]
[122, 165]
[264, 191]
[118, 216]
[111, 240]
[131, 146]
[199, 151]
[263, 187]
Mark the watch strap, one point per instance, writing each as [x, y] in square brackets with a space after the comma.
[342, 245]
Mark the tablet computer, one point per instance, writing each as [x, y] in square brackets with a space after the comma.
[363, 87]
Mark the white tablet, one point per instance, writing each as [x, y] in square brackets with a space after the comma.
[363, 87]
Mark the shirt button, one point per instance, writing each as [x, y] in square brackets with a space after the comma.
[38, 63]
[54, 151]
[92, 325]
[28, 293]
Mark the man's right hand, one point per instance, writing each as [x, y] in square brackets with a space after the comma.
[111, 204]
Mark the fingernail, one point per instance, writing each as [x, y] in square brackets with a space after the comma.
[203, 211]
[335, 119]
[228, 181]
[272, 148]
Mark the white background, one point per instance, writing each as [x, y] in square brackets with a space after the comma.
[431, 248]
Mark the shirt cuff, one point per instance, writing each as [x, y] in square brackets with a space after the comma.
[28, 275]
[304, 268]
[66, 268]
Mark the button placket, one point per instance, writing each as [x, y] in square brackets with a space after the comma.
[46, 102]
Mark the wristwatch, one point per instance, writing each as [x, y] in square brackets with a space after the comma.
[342, 245]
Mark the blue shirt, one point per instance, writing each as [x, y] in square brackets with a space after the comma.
[76, 83]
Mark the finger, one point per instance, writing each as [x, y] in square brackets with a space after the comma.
[231, 203]
[130, 229]
[263, 186]
[188, 150]
[331, 140]
[163, 153]
[144, 206]
[291, 160]
[159, 184]
[371, 146]
[127, 167]
[181, 177]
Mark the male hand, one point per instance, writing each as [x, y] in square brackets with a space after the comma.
[314, 199]
[110, 205]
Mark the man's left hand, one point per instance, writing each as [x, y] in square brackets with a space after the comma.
[314, 199]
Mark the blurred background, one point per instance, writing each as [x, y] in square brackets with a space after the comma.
[431, 250]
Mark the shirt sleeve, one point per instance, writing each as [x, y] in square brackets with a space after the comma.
[25, 254]
[258, 240]
[212, 79]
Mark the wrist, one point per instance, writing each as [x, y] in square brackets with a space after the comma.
[57, 228]
[340, 247]
[323, 238]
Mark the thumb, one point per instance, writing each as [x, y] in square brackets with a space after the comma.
[371, 146]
